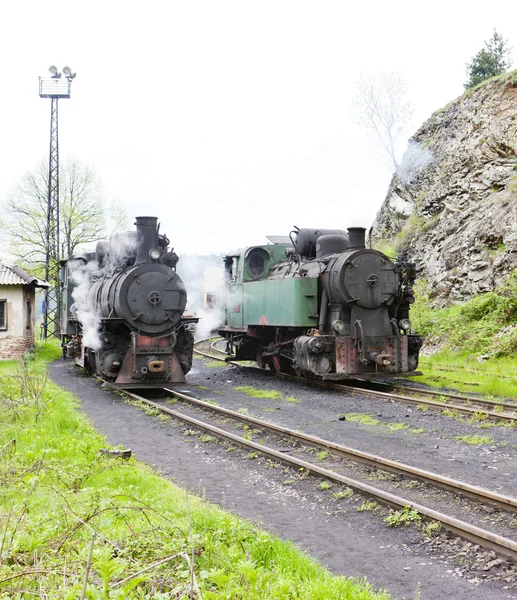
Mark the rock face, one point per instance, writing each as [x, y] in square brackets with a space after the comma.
[458, 216]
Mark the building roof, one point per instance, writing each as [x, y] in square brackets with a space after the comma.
[16, 276]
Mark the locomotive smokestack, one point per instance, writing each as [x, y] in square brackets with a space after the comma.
[356, 238]
[146, 228]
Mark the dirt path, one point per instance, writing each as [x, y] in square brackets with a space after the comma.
[350, 542]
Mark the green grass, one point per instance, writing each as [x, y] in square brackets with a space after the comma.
[475, 440]
[256, 393]
[404, 517]
[342, 494]
[486, 326]
[365, 419]
[293, 400]
[461, 370]
[368, 505]
[215, 363]
[57, 489]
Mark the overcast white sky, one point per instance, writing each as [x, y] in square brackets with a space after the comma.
[230, 120]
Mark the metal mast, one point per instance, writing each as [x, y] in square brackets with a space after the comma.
[53, 87]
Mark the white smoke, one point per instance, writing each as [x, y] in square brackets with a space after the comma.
[415, 159]
[80, 274]
[121, 247]
[203, 275]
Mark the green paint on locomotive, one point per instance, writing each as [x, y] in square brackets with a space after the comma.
[255, 299]
[281, 302]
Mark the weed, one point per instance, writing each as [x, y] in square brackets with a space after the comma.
[431, 528]
[450, 412]
[215, 363]
[322, 455]
[205, 438]
[256, 393]
[191, 432]
[396, 426]
[405, 517]
[361, 418]
[475, 440]
[253, 455]
[293, 400]
[368, 505]
[342, 494]
[325, 485]
[478, 416]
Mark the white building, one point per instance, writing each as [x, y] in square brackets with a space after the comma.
[17, 310]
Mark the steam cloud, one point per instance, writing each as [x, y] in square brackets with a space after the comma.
[80, 274]
[121, 246]
[415, 159]
[201, 275]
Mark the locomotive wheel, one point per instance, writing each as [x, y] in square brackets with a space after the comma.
[280, 364]
[260, 359]
[184, 347]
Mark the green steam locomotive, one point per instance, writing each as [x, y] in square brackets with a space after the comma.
[321, 304]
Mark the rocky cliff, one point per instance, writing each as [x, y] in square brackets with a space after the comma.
[458, 215]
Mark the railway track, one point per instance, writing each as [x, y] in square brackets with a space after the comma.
[477, 535]
[471, 406]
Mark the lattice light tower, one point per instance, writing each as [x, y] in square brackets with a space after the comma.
[54, 87]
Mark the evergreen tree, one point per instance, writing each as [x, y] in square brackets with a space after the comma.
[493, 59]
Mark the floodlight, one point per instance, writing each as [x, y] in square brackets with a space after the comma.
[67, 71]
[53, 69]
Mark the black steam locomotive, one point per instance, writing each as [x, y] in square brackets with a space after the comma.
[121, 310]
[321, 304]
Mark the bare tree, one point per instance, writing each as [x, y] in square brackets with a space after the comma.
[82, 212]
[380, 106]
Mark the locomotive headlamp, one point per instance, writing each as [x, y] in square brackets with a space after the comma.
[154, 254]
[338, 325]
[405, 324]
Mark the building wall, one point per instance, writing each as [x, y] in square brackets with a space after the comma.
[19, 335]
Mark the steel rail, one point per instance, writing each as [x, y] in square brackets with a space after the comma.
[470, 532]
[476, 493]
[463, 398]
[499, 416]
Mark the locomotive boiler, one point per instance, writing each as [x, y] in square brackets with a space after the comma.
[121, 313]
[321, 304]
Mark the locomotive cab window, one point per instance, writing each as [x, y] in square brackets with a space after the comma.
[257, 263]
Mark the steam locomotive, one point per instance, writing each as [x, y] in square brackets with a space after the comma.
[121, 310]
[321, 304]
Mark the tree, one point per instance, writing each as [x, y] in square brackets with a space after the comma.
[82, 213]
[380, 106]
[493, 59]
